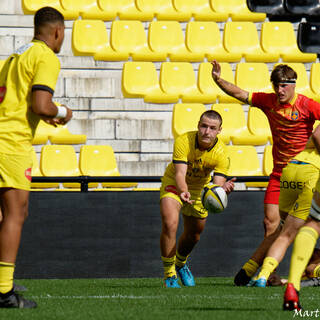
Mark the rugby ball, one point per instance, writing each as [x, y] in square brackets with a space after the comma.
[214, 198]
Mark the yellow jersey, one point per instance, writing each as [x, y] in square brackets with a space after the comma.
[310, 155]
[200, 162]
[34, 66]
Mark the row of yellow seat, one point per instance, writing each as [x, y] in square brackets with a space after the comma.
[146, 10]
[235, 127]
[166, 40]
[61, 160]
[178, 81]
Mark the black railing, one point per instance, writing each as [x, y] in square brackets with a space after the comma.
[85, 180]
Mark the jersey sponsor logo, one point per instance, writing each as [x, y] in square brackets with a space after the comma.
[292, 185]
[171, 189]
[27, 173]
[2, 93]
[24, 48]
[295, 115]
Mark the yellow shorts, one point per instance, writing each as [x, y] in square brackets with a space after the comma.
[15, 171]
[168, 189]
[297, 185]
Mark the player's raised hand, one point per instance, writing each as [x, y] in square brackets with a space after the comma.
[67, 118]
[186, 197]
[216, 70]
[228, 186]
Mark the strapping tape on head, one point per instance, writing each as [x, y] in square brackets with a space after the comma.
[286, 81]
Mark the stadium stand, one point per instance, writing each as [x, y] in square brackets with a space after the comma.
[258, 124]
[314, 78]
[308, 37]
[309, 9]
[242, 38]
[279, 37]
[31, 6]
[253, 77]
[234, 126]
[208, 87]
[179, 78]
[166, 37]
[197, 41]
[267, 160]
[59, 161]
[237, 10]
[243, 161]
[199, 9]
[162, 10]
[185, 117]
[140, 79]
[98, 160]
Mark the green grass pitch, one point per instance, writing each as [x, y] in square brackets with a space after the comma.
[212, 298]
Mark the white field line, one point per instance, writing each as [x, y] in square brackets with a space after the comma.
[155, 297]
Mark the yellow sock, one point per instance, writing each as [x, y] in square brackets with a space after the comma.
[180, 260]
[316, 271]
[169, 266]
[302, 250]
[269, 265]
[250, 268]
[6, 276]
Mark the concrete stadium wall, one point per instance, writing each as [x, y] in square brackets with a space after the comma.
[116, 234]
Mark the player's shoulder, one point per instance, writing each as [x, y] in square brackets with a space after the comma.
[187, 137]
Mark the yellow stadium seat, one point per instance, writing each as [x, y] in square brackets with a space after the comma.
[179, 78]
[197, 41]
[100, 161]
[2, 63]
[315, 79]
[267, 161]
[31, 6]
[90, 37]
[59, 161]
[37, 173]
[234, 125]
[62, 135]
[244, 161]
[129, 37]
[242, 38]
[88, 9]
[237, 10]
[162, 10]
[167, 37]
[42, 133]
[199, 9]
[279, 37]
[209, 88]
[302, 83]
[258, 123]
[140, 80]
[253, 77]
[125, 9]
[185, 117]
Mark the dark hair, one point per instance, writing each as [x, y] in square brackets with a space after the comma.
[281, 73]
[212, 114]
[47, 15]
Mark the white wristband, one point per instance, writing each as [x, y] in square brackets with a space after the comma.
[62, 112]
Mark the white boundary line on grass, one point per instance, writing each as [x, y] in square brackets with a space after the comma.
[133, 297]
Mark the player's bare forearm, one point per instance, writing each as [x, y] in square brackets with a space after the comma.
[232, 90]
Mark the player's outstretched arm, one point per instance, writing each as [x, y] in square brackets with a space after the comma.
[228, 87]
[43, 106]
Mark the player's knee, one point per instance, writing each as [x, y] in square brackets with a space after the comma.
[270, 225]
[193, 237]
[309, 271]
[169, 227]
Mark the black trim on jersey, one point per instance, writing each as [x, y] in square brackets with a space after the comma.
[42, 87]
[197, 143]
[179, 161]
[220, 174]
